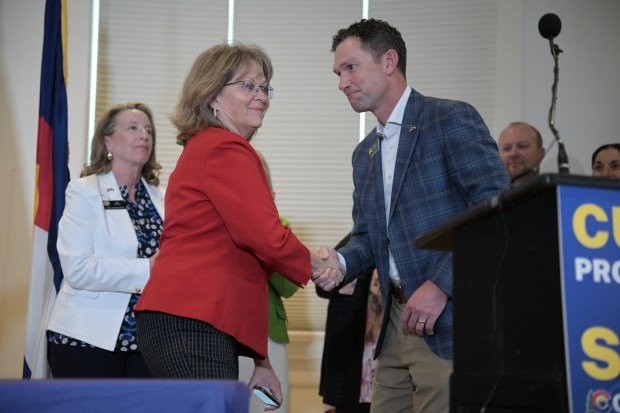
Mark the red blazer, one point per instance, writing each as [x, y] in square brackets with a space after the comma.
[222, 237]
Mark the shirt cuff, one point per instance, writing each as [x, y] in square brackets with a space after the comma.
[343, 262]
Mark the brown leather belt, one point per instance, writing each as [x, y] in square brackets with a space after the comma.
[398, 293]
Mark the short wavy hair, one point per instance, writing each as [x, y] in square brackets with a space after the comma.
[377, 37]
[211, 70]
[99, 163]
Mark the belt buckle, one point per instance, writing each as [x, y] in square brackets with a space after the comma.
[399, 293]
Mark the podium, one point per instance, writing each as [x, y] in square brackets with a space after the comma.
[536, 298]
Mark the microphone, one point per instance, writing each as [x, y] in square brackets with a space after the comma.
[549, 26]
[563, 167]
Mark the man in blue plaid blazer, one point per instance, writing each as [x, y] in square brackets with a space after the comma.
[427, 160]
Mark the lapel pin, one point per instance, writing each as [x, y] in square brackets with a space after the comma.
[412, 128]
[372, 151]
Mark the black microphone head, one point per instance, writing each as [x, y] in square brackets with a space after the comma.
[549, 25]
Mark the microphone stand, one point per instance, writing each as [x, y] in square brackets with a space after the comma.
[562, 157]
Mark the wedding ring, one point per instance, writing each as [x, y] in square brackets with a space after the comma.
[422, 322]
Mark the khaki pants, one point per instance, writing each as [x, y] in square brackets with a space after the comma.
[409, 377]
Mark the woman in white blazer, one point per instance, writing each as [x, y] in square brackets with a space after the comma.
[108, 238]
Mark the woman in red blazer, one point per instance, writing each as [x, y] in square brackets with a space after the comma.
[206, 301]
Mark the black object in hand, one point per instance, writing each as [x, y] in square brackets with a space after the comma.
[265, 396]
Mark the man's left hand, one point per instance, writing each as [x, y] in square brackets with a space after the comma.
[423, 309]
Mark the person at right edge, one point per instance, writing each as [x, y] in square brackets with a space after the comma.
[427, 161]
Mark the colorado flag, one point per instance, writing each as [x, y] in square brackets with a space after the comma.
[52, 176]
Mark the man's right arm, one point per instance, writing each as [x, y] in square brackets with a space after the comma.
[357, 253]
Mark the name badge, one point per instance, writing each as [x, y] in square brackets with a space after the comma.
[120, 204]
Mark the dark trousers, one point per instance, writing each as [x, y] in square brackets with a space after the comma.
[84, 362]
[179, 347]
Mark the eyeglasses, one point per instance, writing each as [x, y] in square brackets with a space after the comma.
[251, 87]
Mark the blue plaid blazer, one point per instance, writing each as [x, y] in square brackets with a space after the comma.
[446, 163]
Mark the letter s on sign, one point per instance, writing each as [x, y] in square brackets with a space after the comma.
[605, 355]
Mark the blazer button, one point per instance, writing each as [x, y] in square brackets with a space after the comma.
[138, 290]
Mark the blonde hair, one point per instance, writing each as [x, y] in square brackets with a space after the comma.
[99, 163]
[211, 70]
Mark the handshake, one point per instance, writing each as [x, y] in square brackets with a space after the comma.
[327, 271]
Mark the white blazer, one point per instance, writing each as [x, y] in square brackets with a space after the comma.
[97, 249]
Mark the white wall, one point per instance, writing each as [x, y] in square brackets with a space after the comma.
[21, 41]
[589, 101]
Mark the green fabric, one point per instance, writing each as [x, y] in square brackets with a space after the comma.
[279, 287]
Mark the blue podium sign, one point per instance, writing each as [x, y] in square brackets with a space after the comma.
[589, 223]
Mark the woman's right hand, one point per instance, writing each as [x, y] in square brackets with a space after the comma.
[327, 271]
